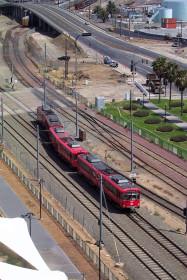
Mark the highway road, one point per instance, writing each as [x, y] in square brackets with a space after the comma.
[101, 41]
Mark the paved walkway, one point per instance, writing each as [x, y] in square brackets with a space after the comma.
[169, 117]
[52, 254]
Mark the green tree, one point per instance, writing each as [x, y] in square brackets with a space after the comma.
[110, 8]
[97, 9]
[159, 67]
[181, 84]
[103, 15]
[171, 75]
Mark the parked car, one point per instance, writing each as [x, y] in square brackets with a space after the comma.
[87, 22]
[107, 60]
[113, 64]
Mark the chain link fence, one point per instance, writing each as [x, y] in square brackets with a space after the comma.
[63, 199]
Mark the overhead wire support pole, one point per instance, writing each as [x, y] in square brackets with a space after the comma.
[44, 91]
[101, 224]
[2, 120]
[132, 145]
[45, 58]
[12, 76]
[40, 183]
[38, 161]
[77, 128]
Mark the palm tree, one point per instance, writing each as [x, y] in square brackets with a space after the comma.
[110, 8]
[159, 67]
[97, 9]
[171, 75]
[181, 83]
[103, 15]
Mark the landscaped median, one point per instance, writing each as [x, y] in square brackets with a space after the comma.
[149, 125]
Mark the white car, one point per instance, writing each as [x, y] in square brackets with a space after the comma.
[87, 23]
[113, 64]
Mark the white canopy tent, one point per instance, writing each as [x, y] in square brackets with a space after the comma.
[9, 272]
[15, 236]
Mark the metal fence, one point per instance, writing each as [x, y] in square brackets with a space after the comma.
[62, 221]
[148, 135]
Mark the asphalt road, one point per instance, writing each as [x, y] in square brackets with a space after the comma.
[101, 41]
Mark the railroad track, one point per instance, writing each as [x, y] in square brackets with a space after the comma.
[174, 209]
[156, 269]
[125, 238]
[111, 137]
[13, 56]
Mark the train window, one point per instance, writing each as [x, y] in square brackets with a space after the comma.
[110, 187]
[119, 194]
[131, 196]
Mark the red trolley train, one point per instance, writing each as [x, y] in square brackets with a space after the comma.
[117, 187]
[47, 117]
[65, 146]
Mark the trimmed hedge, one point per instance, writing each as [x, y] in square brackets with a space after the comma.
[165, 128]
[141, 114]
[179, 138]
[134, 107]
[152, 121]
[176, 104]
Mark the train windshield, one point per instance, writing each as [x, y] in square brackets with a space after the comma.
[131, 196]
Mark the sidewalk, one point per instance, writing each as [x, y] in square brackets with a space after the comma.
[169, 117]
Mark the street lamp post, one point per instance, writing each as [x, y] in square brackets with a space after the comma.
[28, 215]
[165, 113]
[82, 34]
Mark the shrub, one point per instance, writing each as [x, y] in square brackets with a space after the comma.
[141, 114]
[176, 104]
[152, 121]
[165, 128]
[179, 138]
[185, 110]
[134, 107]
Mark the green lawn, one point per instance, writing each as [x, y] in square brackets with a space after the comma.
[116, 109]
[174, 110]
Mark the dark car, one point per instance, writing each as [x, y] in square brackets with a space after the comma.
[107, 60]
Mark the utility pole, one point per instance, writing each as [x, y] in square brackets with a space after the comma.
[12, 76]
[38, 162]
[66, 60]
[181, 28]
[40, 183]
[131, 145]
[89, 10]
[44, 91]
[2, 120]
[45, 58]
[129, 27]
[76, 101]
[101, 224]
[121, 24]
